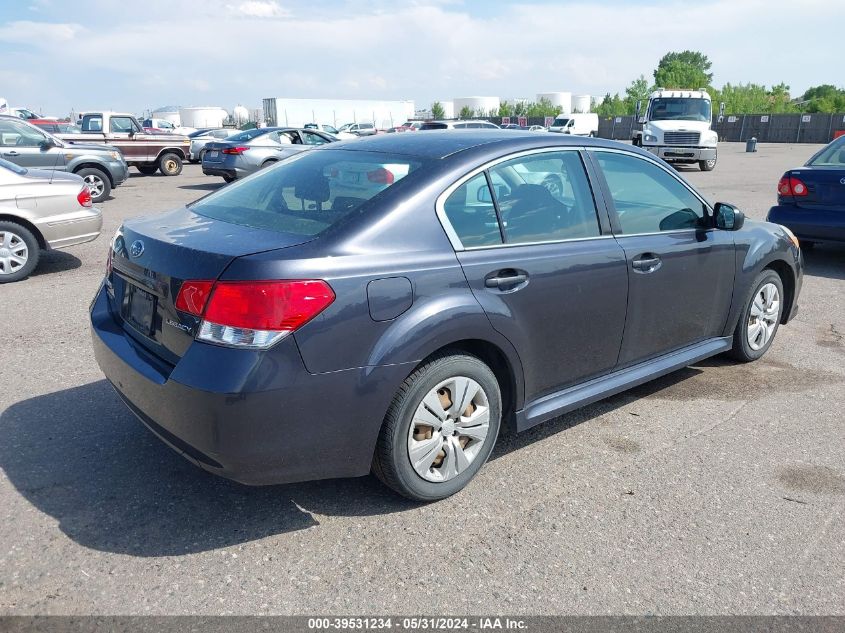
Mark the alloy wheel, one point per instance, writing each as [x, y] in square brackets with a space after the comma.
[763, 316]
[95, 185]
[449, 428]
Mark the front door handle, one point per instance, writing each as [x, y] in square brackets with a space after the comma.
[504, 279]
[646, 263]
[12, 153]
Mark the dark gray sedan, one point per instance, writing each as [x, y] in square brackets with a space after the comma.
[390, 303]
[251, 150]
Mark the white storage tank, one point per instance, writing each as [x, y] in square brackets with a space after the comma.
[562, 100]
[448, 109]
[482, 105]
[168, 113]
[240, 114]
[582, 103]
[200, 117]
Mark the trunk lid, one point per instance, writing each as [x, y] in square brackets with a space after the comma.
[153, 255]
[825, 187]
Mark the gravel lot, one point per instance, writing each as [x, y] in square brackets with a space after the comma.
[718, 489]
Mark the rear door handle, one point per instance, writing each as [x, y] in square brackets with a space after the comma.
[646, 263]
[506, 279]
[12, 153]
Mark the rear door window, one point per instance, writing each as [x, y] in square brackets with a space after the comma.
[307, 194]
[472, 214]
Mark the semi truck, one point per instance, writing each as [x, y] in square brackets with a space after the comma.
[676, 127]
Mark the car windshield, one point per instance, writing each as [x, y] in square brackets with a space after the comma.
[345, 127]
[248, 135]
[678, 109]
[831, 156]
[561, 122]
[307, 194]
[198, 133]
[329, 129]
[12, 167]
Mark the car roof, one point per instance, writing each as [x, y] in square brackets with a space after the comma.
[441, 144]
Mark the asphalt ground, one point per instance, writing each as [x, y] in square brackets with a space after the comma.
[719, 489]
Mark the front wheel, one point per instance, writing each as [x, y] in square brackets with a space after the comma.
[170, 164]
[707, 165]
[19, 252]
[440, 428]
[759, 321]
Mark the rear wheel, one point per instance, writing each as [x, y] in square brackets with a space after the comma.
[268, 163]
[148, 170]
[19, 252]
[229, 179]
[759, 321]
[98, 183]
[170, 164]
[440, 428]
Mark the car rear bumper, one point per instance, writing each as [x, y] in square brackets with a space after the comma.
[680, 153]
[812, 225]
[69, 229]
[255, 417]
[223, 172]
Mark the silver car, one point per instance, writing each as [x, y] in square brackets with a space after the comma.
[41, 210]
[200, 139]
[251, 150]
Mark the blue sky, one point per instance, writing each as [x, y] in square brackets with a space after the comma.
[57, 55]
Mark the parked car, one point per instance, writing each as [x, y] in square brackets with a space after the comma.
[247, 152]
[55, 127]
[41, 209]
[330, 129]
[200, 139]
[537, 128]
[459, 125]
[100, 166]
[148, 152]
[282, 329]
[811, 199]
[358, 129]
[577, 124]
[23, 113]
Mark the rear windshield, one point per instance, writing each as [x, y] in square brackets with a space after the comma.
[307, 194]
[248, 135]
[434, 126]
[831, 156]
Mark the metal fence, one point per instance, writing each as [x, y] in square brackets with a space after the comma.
[766, 128]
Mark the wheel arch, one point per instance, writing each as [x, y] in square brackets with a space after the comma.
[5, 217]
[97, 166]
[787, 278]
[171, 150]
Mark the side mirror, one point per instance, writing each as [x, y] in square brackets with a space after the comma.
[639, 107]
[728, 217]
[47, 144]
[641, 120]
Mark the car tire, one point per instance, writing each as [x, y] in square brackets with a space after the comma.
[202, 156]
[20, 243]
[148, 170]
[638, 142]
[268, 163]
[170, 164]
[228, 179]
[707, 165]
[98, 183]
[455, 454]
[760, 318]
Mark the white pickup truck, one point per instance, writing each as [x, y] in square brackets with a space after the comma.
[676, 127]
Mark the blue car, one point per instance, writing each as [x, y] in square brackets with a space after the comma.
[390, 304]
[811, 199]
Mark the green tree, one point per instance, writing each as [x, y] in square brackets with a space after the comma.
[825, 98]
[611, 106]
[466, 113]
[438, 111]
[637, 91]
[504, 109]
[687, 69]
[542, 108]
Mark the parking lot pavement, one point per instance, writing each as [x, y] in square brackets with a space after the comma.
[718, 489]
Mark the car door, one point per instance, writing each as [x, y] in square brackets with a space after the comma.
[543, 265]
[680, 267]
[25, 145]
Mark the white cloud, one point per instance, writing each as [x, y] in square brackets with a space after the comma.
[260, 9]
[41, 34]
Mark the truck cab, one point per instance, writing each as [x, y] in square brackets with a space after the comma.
[146, 151]
[676, 127]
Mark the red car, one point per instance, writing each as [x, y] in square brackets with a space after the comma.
[56, 127]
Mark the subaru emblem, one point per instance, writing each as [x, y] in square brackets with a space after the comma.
[842, 181]
[137, 248]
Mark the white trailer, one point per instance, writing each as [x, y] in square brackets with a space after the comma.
[282, 111]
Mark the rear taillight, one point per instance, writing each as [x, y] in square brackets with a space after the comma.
[791, 186]
[84, 197]
[254, 314]
[381, 176]
[234, 150]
